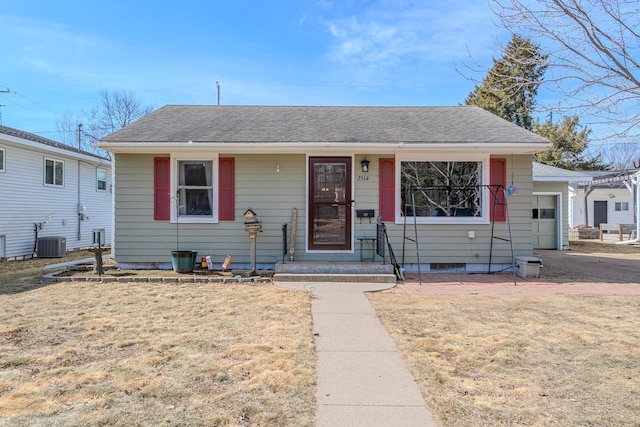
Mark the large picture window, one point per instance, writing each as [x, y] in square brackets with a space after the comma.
[53, 172]
[195, 188]
[442, 189]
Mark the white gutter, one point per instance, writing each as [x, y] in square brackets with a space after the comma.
[54, 150]
[635, 179]
[304, 147]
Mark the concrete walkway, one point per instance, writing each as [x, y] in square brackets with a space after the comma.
[362, 380]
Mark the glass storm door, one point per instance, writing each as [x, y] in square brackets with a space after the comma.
[330, 203]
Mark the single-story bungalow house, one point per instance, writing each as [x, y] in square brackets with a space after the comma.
[456, 180]
[51, 192]
[551, 210]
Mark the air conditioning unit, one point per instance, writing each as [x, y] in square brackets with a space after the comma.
[52, 247]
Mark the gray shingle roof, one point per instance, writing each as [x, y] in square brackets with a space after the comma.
[542, 171]
[265, 124]
[6, 130]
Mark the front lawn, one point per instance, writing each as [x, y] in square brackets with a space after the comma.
[149, 354]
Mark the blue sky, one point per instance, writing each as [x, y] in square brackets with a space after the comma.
[57, 56]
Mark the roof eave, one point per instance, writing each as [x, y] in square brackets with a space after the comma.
[93, 158]
[559, 179]
[305, 147]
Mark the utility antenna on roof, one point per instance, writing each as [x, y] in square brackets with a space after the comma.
[218, 85]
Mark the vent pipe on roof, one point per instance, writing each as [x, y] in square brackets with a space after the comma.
[635, 180]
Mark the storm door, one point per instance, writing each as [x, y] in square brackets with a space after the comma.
[330, 203]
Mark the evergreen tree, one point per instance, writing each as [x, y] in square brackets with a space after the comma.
[510, 88]
[570, 140]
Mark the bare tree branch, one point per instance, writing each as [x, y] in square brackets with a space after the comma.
[118, 109]
[593, 48]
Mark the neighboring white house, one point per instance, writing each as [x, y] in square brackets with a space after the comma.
[550, 213]
[608, 197]
[50, 190]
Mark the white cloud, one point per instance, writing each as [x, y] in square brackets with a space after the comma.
[46, 47]
[388, 34]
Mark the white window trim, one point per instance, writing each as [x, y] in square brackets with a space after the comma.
[98, 179]
[44, 172]
[484, 158]
[198, 156]
[3, 166]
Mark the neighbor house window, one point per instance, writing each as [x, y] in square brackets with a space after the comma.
[442, 190]
[53, 172]
[2, 169]
[101, 175]
[622, 206]
[195, 188]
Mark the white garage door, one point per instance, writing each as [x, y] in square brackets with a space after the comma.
[544, 222]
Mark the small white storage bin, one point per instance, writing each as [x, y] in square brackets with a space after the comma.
[528, 266]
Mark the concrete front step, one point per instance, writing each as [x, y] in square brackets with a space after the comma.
[360, 272]
[304, 267]
[333, 277]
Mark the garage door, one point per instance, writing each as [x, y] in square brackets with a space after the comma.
[544, 222]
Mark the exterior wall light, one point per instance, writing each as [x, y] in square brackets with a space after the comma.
[365, 165]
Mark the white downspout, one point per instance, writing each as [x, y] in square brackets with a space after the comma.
[635, 179]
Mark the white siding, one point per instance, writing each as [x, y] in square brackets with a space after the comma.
[611, 196]
[26, 201]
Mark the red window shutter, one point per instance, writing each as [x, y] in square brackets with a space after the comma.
[498, 178]
[161, 188]
[387, 196]
[226, 189]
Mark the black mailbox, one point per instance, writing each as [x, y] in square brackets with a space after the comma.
[364, 213]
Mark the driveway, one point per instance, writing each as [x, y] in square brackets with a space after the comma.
[592, 261]
[589, 267]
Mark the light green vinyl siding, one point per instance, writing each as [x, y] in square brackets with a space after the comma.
[272, 195]
[258, 185]
[449, 243]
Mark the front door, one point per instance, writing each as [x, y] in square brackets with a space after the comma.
[599, 212]
[544, 222]
[330, 203]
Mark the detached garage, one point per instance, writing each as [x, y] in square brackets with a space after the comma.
[550, 209]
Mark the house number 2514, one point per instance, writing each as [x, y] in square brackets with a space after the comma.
[363, 178]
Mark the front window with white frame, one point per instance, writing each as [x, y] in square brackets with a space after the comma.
[444, 190]
[53, 172]
[2, 160]
[195, 187]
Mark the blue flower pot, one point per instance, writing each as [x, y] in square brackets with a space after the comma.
[183, 261]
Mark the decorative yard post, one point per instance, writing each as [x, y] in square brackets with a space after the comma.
[252, 225]
[98, 239]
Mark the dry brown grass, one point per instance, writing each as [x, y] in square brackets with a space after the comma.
[19, 276]
[607, 248]
[521, 360]
[123, 354]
